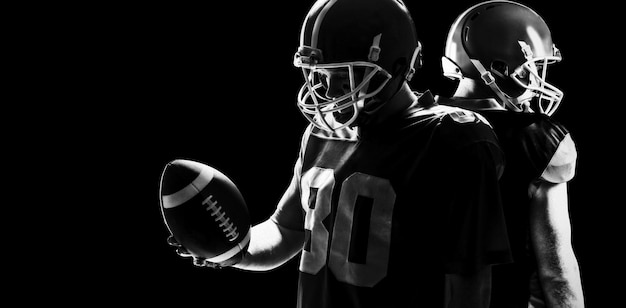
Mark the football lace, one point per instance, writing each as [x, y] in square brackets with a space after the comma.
[228, 228]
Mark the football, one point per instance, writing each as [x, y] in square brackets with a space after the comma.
[204, 210]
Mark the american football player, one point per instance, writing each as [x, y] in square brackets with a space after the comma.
[499, 51]
[391, 193]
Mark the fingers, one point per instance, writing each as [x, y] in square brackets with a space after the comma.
[180, 250]
[172, 241]
[202, 262]
[183, 252]
[199, 261]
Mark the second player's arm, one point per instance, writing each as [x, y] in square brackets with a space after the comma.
[558, 269]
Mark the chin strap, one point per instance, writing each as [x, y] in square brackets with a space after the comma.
[490, 81]
[416, 62]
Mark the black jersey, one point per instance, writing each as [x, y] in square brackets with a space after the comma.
[388, 212]
[536, 149]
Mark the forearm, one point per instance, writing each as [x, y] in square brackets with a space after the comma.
[558, 269]
[561, 281]
[270, 246]
[563, 291]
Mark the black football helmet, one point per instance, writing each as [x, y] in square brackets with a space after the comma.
[368, 42]
[507, 46]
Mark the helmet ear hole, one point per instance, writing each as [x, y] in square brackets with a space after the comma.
[500, 68]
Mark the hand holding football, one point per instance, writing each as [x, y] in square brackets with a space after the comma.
[204, 211]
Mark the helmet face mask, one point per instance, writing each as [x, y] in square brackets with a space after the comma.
[532, 76]
[338, 90]
[508, 47]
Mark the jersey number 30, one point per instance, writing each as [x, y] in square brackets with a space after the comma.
[361, 233]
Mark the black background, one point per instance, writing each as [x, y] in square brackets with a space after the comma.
[152, 82]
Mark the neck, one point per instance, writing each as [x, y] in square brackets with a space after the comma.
[396, 104]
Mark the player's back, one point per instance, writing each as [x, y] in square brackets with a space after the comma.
[530, 141]
[392, 209]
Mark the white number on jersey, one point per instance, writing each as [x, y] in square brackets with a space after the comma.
[317, 188]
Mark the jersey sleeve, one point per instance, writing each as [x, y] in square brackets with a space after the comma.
[562, 167]
[289, 212]
[551, 151]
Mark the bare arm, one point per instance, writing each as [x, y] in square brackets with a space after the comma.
[271, 244]
[558, 269]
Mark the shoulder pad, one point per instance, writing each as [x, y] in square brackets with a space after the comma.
[461, 127]
[462, 116]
